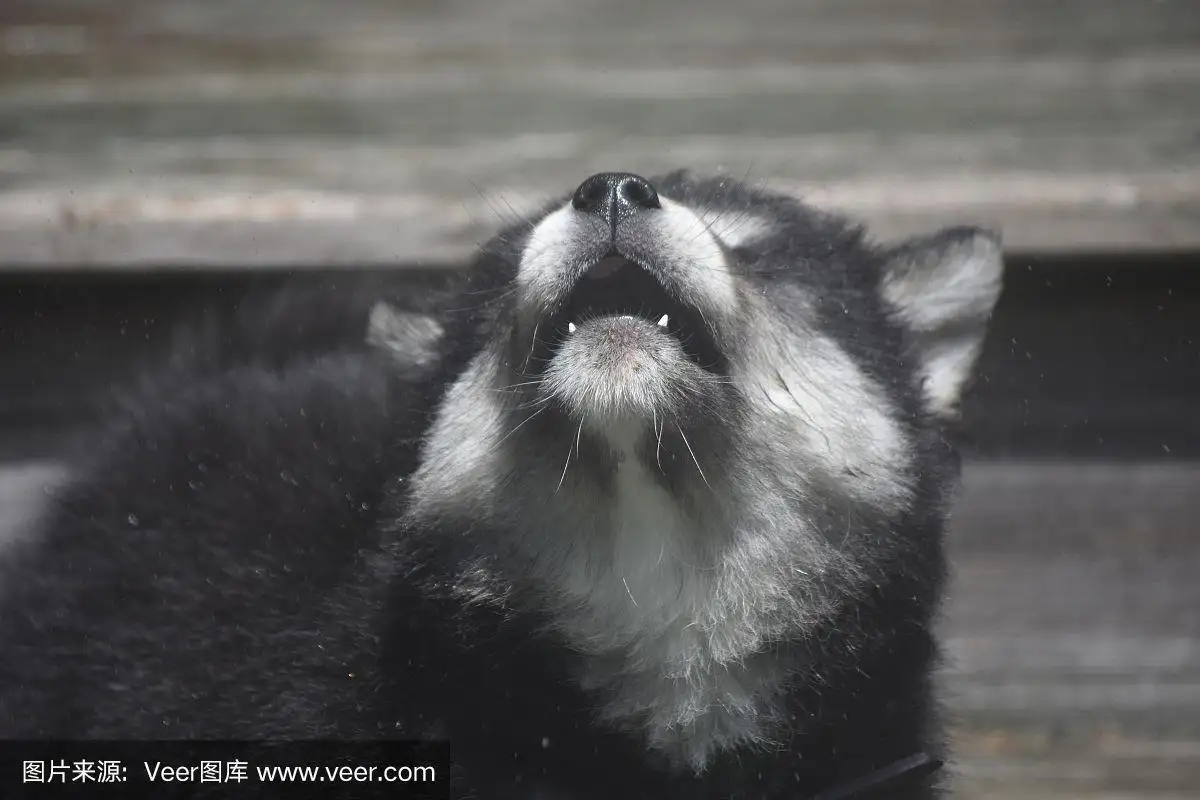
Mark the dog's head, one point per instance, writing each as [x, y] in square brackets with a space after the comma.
[638, 311]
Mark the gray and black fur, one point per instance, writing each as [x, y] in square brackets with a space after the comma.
[655, 510]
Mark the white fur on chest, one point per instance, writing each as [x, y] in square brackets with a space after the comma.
[657, 624]
[640, 584]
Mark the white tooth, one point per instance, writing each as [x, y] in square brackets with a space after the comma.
[662, 323]
[570, 327]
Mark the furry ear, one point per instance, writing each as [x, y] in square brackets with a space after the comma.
[411, 337]
[943, 288]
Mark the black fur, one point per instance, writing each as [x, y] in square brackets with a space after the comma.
[226, 564]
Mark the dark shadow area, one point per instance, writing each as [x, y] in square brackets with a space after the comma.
[1088, 357]
[1092, 357]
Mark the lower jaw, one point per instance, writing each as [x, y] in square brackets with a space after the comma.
[621, 411]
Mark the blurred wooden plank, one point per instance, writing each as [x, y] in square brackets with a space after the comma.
[1071, 629]
[313, 132]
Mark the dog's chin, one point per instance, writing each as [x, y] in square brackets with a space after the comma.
[618, 368]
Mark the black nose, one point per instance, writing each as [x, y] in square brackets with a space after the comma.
[614, 196]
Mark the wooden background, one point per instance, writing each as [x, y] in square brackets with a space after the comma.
[158, 153]
[271, 132]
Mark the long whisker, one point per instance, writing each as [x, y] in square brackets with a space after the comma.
[513, 386]
[541, 401]
[532, 346]
[693, 454]
[520, 425]
[570, 450]
[491, 207]
[658, 429]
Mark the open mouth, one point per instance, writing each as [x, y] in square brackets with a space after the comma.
[617, 286]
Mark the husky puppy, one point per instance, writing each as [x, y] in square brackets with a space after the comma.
[657, 512]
